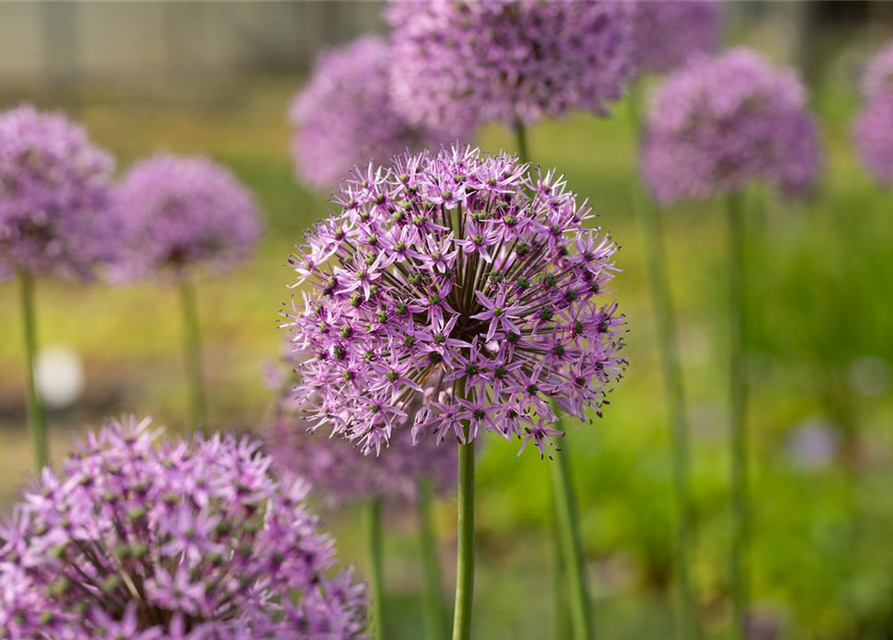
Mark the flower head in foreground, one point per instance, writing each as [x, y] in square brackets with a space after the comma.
[182, 212]
[878, 77]
[669, 33]
[344, 116]
[720, 124]
[54, 196]
[457, 272]
[507, 60]
[173, 540]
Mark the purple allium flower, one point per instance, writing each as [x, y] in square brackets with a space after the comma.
[669, 33]
[181, 212]
[507, 60]
[878, 77]
[344, 116]
[149, 540]
[873, 133]
[54, 196]
[721, 123]
[449, 271]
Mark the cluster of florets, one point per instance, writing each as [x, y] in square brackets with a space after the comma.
[54, 196]
[669, 33]
[507, 60]
[149, 540]
[179, 213]
[460, 273]
[720, 124]
[339, 471]
[873, 128]
[344, 116]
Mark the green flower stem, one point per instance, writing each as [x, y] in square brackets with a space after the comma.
[561, 608]
[192, 352]
[376, 568]
[571, 545]
[431, 587]
[36, 419]
[738, 414]
[661, 300]
[465, 551]
[521, 140]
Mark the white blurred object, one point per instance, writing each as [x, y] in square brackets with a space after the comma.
[59, 376]
[869, 376]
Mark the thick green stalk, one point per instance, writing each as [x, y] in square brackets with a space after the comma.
[192, 353]
[561, 608]
[431, 588]
[465, 551]
[738, 414]
[661, 300]
[521, 140]
[571, 545]
[376, 568]
[36, 419]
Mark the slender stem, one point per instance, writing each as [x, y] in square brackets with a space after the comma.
[521, 139]
[571, 545]
[562, 610]
[465, 551]
[192, 352]
[375, 556]
[738, 409]
[431, 587]
[661, 300]
[36, 419]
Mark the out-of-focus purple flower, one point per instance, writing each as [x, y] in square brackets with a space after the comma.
[54, 196]
[180, 213]
[507, 60]
[814, 443]
[150, 540]
[344, 117]
[455, 270]
[669, 33]
[873, 133]
[721, 123]
[878, 77]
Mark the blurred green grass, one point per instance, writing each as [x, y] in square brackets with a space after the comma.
[821, 275]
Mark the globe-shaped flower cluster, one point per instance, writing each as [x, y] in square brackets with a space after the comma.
[507, 60]
[344, 116]
[179, 213]
[54, 196]
[461, 273]
[149, 540]
[669, 33]
[873, 128]
[719, 124]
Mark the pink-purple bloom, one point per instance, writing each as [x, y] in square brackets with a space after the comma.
[507, 60]
[461, 273]
[721, 123]
[669, 33]
[878, 77]
[873, 128]
[344, 116]
[149, 539]
[54, 196]
[180, 213]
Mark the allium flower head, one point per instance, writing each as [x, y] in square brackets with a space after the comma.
[720, 124]
[873, 131]
[182, 212]
[878, 77]
[669, 33]
[507, 60]
[149, 540]
[462, 272]
[344, 116]
[54, 196]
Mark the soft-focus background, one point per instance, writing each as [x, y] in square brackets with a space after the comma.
[217, 78]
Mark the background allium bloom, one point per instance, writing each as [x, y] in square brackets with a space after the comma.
[721, 123]
[455, 267]
[149, 541]
[182, 212]
[873, 131]
[502, 60]
[669, 33]
[344, 116]
[878, 78]
[54, 196]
